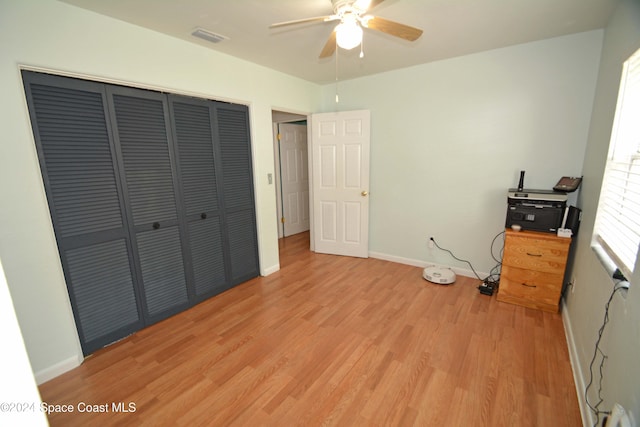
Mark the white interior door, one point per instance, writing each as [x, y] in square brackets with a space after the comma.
[340, 175]
[295, 178]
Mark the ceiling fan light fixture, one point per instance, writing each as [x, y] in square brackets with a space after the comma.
[348, 34]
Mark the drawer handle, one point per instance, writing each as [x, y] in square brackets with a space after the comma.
[529, 286]
[530, 254]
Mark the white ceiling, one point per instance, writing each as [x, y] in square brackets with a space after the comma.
[451, 28]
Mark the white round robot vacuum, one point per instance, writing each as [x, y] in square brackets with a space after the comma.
[439, 275]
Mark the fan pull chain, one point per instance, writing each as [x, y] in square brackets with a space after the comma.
[337, 96]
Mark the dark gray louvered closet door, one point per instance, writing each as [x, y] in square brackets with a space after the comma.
[151, 199]
[78, 168]
[237, 182]
[141, 119]
[197, 170]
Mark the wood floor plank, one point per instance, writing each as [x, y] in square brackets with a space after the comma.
[332, 340]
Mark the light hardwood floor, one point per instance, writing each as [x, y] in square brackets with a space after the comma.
[332, 340]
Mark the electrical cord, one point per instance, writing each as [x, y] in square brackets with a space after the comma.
[494, 275]
[596, 408]
[455, 257]
[489, 280]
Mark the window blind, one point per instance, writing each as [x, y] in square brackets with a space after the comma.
[617, 227]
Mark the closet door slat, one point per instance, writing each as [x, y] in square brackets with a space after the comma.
[242, 245]
[75, 145]
[145, 152]
[208, 259]
[235, 148]
[162, 270]
[103, 287]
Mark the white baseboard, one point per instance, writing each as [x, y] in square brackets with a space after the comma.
[270, 270]
[58, 369]
[587, 416]
[420, 263]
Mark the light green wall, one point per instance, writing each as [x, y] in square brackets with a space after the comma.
[450, 137]
[585, 305]
[46, 34]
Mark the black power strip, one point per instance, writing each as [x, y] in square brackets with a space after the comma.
[487, 288]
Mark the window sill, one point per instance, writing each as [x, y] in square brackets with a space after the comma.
[609, 265]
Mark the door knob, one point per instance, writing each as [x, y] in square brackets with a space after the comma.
[364, 193]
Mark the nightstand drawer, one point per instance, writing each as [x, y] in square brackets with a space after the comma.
[545, 255]
[530, 288]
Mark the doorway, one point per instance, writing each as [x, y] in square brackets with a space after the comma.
[337, 216]
[291, 173]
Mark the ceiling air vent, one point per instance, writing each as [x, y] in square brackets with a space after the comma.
[208, 35]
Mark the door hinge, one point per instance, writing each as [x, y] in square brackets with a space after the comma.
[282, 220]
[278, 136]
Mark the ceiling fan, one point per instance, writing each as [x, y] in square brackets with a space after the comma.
[352, 16]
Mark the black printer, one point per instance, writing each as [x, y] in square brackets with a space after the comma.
[538, 210]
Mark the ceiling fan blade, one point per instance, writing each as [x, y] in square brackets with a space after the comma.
[302, 21]
[330, 46]
[374, 3]
[394, 28]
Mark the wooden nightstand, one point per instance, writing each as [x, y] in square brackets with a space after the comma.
[533, 266]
